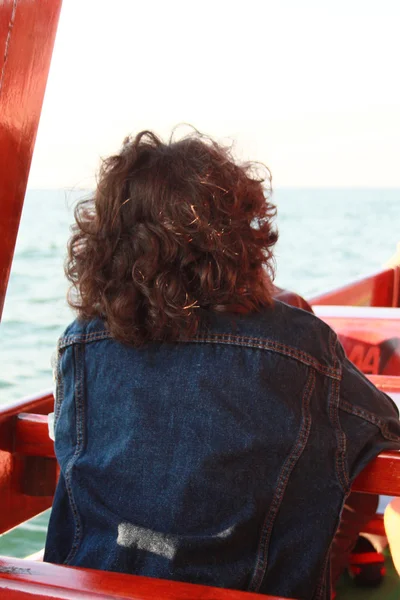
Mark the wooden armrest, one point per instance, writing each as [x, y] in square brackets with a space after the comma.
[25, 578]
[381, 476]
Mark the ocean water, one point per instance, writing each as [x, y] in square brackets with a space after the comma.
[328, 237]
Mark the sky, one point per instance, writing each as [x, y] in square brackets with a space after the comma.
[309, 87]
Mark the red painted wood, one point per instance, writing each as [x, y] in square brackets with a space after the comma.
[6, 19]
[376, 526]
[15, 505]
[389, 384]
[32, 436]
[370, 336]
[381, 476]
[376, 290]
[25, 577]
[41, 403]
[396, 286]
[27, 32]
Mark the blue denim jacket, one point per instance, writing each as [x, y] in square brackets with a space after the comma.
[224, 460]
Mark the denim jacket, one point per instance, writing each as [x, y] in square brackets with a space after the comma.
[223, 460]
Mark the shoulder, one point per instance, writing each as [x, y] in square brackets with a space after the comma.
[282, 328]
[83, 331]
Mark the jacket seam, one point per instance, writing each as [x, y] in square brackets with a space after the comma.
[340, 457]
[321, 584]
[59, 387]
[267, 344]
[79, 418]
[80, 338]
[334, 401]
[283, 479]
[371, 418]
[228, 339]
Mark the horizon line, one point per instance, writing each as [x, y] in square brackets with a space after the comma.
[280, 187]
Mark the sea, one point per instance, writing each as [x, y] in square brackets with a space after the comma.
[328, 237]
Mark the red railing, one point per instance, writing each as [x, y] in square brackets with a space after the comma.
[24, 579]
[380, 289]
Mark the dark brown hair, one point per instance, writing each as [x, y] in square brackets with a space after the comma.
[172, 230]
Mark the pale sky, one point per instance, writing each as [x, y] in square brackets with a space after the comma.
[310, 87]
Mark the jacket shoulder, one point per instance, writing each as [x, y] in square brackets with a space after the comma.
[280, 327]
[291, 331]
[81, 330]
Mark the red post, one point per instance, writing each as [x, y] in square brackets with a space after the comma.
[27, 33]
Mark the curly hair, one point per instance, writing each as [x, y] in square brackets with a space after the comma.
[172, 231]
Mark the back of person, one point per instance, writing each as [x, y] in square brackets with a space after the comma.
[220, 452]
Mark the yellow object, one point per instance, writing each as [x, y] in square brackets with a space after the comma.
[392, 528]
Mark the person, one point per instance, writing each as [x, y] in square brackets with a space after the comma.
[205, 432]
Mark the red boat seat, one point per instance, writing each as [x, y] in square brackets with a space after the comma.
[370, 336]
